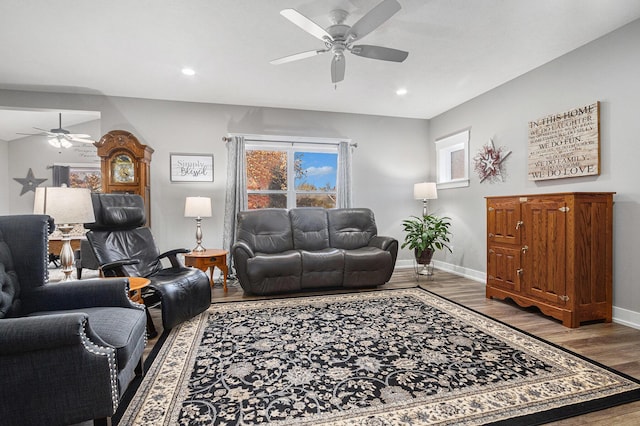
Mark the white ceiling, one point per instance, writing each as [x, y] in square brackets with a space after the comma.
[458, 49]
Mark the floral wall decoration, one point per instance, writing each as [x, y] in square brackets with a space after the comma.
[489, 163]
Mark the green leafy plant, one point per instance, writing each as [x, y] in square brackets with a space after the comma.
[427, 232]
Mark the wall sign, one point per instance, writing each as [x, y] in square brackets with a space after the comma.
[191, 167]
[566, 144]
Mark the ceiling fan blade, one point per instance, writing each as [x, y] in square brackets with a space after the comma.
[79, 135]
[81, 140]
[338, 65]
[379, 52]
[297, 56]
[373, 19]
[306, 24]
[49, 133]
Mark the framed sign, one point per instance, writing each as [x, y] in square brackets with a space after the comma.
[566, 144]
[191, 167]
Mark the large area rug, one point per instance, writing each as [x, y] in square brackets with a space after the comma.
[374, 358]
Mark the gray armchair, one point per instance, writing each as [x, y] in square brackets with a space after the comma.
[68, 350]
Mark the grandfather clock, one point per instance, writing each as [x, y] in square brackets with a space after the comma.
[125, 166]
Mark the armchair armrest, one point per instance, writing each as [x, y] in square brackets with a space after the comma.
[172, 256]
[52, 363]
[75, 295]
[116, 269]
[27, 334]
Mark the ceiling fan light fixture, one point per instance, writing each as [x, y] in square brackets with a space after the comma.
[54, 142]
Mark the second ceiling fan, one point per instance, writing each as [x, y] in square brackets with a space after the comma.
[340, 37]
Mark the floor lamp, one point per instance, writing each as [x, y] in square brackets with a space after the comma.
[198, 207]
[67, 207]
[425, 191]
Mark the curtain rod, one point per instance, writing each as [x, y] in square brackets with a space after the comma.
[229, 139]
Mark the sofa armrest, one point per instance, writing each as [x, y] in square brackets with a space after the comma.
[241, 248]
[386, 243]
[79, 294]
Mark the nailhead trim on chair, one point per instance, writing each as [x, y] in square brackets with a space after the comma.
[110, 353]
[46, 263]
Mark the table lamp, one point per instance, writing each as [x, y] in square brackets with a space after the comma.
[425, 191]
[67, 207]
[198, 207]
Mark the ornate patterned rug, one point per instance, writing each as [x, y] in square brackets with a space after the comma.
[376, 358]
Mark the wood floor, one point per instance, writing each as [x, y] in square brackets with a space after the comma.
[614, 345]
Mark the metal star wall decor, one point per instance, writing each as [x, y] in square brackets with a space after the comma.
[29, 183]
[489, 162]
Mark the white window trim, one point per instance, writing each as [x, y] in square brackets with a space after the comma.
[445, 146]
[291, 144]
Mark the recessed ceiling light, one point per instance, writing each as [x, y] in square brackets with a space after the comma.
[401, 92]
[188, 71]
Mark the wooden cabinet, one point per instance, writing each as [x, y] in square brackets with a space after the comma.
[552, 251]
[125, 165]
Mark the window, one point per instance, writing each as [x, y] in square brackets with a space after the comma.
[452, 154]
[288, 175]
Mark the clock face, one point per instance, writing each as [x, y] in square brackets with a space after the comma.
[122, 169]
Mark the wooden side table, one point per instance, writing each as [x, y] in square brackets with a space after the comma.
[209, 259]
[136, 284]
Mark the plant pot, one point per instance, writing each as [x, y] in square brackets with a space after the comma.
[425, 256]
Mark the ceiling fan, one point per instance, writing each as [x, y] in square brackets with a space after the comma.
[61, 137]
[340, 37]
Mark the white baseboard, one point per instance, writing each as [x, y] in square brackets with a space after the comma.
[454, 269]
[620, 315]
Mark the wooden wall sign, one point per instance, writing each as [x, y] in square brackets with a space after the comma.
[566, 144]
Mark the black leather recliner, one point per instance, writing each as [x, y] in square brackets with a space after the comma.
[123, 246]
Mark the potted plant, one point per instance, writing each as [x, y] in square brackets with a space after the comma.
[426, 234]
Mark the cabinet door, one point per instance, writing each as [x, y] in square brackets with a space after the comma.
[503, 265]
[503, 221]
[543, 250]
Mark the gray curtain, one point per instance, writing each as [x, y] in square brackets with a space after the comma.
[344, 175]
[60, 175]
[236, 195]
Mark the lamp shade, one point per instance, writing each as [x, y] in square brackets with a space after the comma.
[425, 191]
[65, 205]
[197, 207]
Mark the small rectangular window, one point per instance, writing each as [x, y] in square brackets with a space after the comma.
[452, 156]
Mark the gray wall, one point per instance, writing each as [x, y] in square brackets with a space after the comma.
[4, 177]
[391, 155]
[605, 70]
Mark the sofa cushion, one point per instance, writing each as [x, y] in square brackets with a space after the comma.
[266, 230]
[310, 228]
[274, 273]
[366, 267]
[351, 228]
[323, 268]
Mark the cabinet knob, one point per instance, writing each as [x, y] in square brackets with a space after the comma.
[520, 271]
[524, 249]
[491, 235]
[519, 224]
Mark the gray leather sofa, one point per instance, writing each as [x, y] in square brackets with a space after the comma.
[279, 250]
